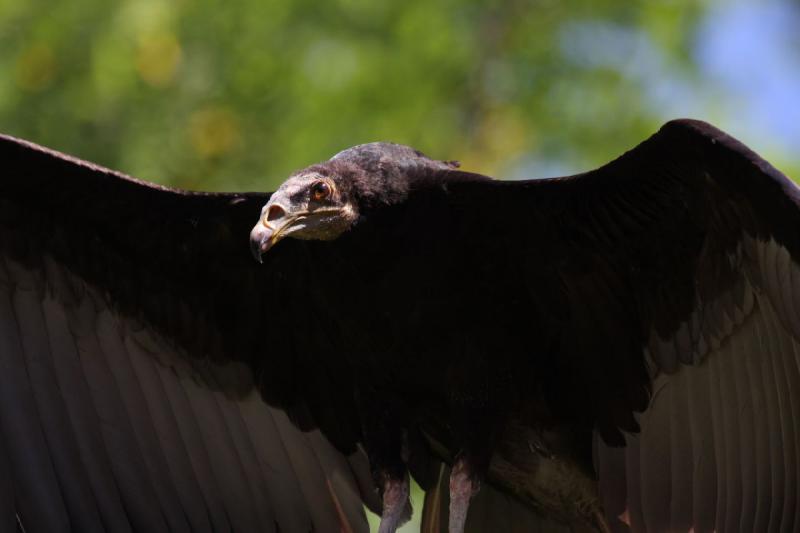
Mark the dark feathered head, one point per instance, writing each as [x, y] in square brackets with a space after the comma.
[323, 201]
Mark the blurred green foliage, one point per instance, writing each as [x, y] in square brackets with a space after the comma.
[234, 95]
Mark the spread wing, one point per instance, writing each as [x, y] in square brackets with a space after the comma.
[661, 292]
[674, 269]
[131, 323]
[720, 441]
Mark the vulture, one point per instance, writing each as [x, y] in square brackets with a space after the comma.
[611, 351]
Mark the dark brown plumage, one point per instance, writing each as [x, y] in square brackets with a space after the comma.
[514, 327]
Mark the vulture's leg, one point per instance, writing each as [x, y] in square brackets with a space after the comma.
[383, 442]
[476, 431]
[463, 486]
[396, 504]
[478, 405]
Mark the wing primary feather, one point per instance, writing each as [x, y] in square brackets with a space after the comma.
[783, 276]
[794, 298]
[222, 456]
[343, 492]
[166, 428]
[635, 515]
[187, 425]
[731, 418]
[769, 269]
[788, 369]
[245, 453]
[794, 369]
[76, 398]
[310, 475]
[283, 486]
[127, 463]
[704, 475]
[761, 429]
[37, 492]
[78, 495]
[769, 493]
[785, 483]
[109, 333]
[654, 458]
[680, 447]
[718, 428]
[745, 423]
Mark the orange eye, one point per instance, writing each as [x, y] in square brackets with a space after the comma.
[320, 190]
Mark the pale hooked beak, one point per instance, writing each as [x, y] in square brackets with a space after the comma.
[268, 229]
[260, 241]
[276, 223]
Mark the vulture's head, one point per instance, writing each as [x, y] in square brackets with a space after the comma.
[323, 201]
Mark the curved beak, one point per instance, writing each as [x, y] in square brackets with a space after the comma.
[276, 223]
[269, 229]
[262, 239]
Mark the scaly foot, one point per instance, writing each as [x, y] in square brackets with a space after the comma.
[462, 488]
[396, 504]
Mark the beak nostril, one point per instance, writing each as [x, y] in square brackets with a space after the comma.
[275, 212]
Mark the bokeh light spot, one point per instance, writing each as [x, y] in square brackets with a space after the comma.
[214, 131]
[36, 67]
[157, 58]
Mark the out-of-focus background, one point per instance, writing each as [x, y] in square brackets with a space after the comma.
[235, 95]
